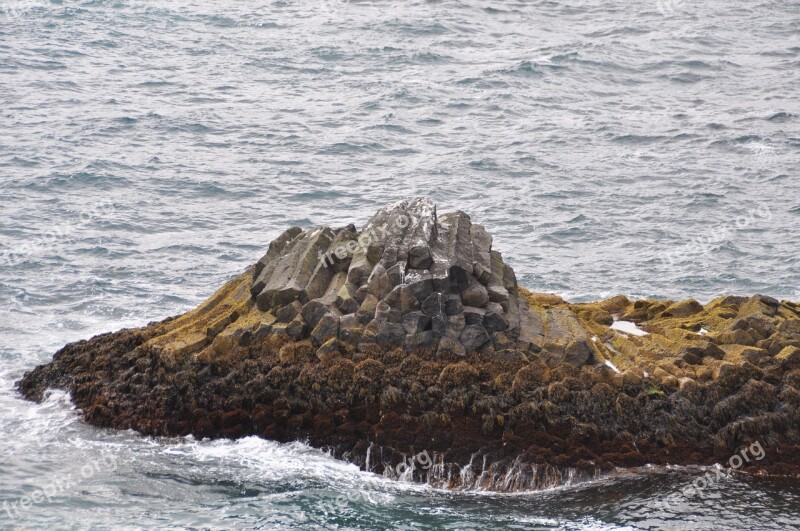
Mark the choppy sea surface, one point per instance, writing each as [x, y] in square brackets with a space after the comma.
[151, 150]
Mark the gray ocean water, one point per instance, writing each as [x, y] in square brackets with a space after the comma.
[151, 150]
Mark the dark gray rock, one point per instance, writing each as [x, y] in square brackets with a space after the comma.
[694, 354]
[366, 312]
[313, 311]
[458, 248]
[350, 329]
[452, 305]
[498, 293]
[390, 334]
[756, 323]
[482, 247]
[439, 325]
[262, 330]
[393, 298]
[345, 300]
[474, 337]
[379, 283]
[475, 295]
[288, 312]
[408, 300]
[296, 272]
[509, 278]
[419, 340]
[433, 305]
[389, 258]
[347, 322]
[327, 328]
[409, 277]
[384, 312]
[473, 316]
[494, 320]
[455, 325]
[416, 322]
[297, 328]
[419, 257]
[440, 276]
[420, 283]
[420, 232]
[361, 293]
[275, 250]
[395, 274]
[375, 251]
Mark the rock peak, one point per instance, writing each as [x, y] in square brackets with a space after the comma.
[410, 277]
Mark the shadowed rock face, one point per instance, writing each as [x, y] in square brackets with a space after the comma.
[411, 337]
[410, 278]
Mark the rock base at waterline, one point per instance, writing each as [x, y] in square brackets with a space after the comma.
[417, 342]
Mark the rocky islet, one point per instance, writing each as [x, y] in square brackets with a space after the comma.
[417, 338]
